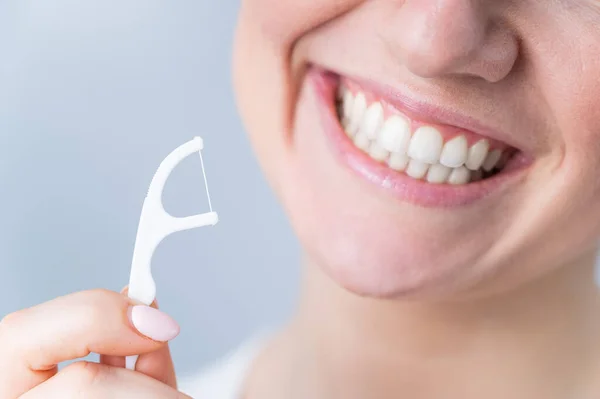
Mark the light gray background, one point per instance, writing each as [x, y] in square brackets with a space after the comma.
[93, 95]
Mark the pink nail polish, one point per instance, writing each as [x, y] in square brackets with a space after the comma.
[153, 323]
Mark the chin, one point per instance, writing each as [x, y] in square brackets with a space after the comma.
[374, 257]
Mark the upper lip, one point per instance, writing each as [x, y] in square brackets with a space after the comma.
[433, 113]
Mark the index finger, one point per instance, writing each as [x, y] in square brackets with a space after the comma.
[35, 340]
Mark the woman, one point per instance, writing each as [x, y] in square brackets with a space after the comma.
[438, 160]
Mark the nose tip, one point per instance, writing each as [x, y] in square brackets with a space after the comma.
[429, 52]
[443, 37]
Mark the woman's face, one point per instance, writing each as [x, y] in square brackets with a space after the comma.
[428, 147]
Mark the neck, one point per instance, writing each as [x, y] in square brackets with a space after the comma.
[534, 342]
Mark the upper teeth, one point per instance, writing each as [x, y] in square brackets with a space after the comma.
[420, 154]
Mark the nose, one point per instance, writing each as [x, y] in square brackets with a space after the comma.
[452, 37]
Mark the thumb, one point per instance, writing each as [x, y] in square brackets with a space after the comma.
[157, 364]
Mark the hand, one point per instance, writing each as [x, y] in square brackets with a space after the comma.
[33, 341]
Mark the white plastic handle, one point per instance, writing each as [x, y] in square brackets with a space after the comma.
[156, 224]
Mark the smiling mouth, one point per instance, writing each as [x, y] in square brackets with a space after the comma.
[435, 154]
[407, 150]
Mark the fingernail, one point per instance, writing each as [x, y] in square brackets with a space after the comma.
[153, 323]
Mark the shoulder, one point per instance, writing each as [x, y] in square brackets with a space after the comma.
[225, 378]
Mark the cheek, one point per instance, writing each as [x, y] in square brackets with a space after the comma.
[285, 21]
[260, 84]
[574, 101]
[566, 74]
[264, 85]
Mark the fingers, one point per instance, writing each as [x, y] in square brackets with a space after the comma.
[114, 361]
[118, 361]
[98, 381]
[158, 365]
[35, 340]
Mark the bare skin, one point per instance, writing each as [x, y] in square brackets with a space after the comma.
[35, 340]
[493, 299]
[539, 341]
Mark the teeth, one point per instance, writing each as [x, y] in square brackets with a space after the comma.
[395, 135]
[348, 104]
[426, 145]
[372, 121]
[398, 161]
[358, 109]
[503, 160]
[477, 154]
[377, 152]
[422, 155]
[438, 173]
[491, 160]
[455, 152]
[460, 175]
[416, 169]
[361, 141]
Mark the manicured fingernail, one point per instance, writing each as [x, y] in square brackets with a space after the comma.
[153, 323]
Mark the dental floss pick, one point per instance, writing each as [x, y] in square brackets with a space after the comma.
[156, 224]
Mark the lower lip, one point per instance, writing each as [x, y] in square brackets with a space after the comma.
[398, 184]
